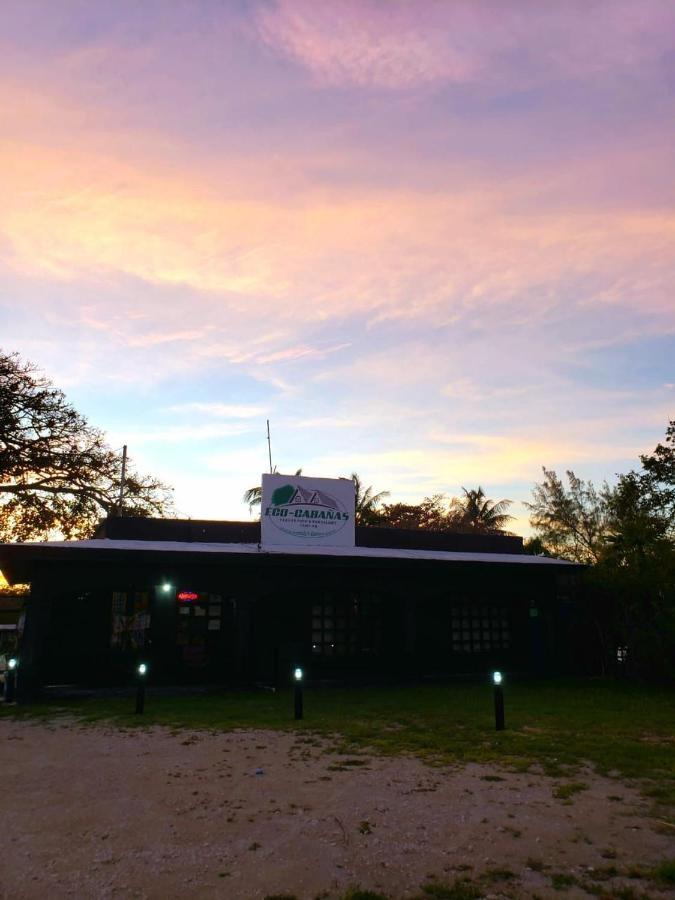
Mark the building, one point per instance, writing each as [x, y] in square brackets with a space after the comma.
[204, 602]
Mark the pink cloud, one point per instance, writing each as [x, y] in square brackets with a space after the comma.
[401, 45]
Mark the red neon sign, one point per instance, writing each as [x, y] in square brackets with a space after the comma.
[188, 595]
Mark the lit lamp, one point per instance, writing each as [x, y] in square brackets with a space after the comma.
[166, 587]
[10, 679]
[297, 677]
[141, 672]
[499, 700]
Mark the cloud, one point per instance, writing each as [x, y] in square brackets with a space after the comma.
[372, 43]
[399, 252]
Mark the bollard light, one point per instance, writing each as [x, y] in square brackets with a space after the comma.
[141, 672]
[499, 700]
[10, 680]
[298, 705]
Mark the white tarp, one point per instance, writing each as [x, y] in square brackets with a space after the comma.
[307, 512]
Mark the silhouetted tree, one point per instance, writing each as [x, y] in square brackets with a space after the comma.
[367, 502]
[478, 513]
[57, 473]
[572, 520]
[626, 535]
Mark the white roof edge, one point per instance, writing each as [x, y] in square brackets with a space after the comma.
[342, 552]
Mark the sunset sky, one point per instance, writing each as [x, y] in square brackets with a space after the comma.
[433, 242]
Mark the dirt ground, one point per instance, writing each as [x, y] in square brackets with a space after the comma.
[97, 812]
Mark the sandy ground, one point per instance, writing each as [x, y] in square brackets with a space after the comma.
[156, 814]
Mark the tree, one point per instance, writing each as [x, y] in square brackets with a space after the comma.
[570, 521]
[626, 536]
[367, 502]
[478, 513]
[57, 474]
[429, 515]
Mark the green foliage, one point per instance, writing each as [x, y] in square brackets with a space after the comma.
[565, 791]
[473, 512]
[665, 872]
[627, 535]
[367, 502]
[432, 514]
[462, 889]
[571, 522]
[57, 474]
[562, 882]
[360, 894]
[477, 513]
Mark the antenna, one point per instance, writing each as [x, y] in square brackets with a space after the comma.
[269, 446]
[122, 480]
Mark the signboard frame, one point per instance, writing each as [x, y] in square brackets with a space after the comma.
[300, 511]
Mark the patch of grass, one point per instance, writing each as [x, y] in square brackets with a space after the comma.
[636, 871]
[462, 889]
[359, 894]
[557, 725]
[565, 791]
[365, 827]
[603, 873]
[665, 872]
[491, 778]
[494, 875]
[561, 881]
[537, 865]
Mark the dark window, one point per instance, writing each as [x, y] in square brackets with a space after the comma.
[479, 628]
[345, 627]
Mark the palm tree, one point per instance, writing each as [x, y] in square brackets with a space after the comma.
[480, 514]
[253, 496]
[366, 502]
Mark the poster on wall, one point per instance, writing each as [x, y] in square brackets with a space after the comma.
[298, 511]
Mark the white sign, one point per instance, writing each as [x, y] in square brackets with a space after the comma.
[307, 512]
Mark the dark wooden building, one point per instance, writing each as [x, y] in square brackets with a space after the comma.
[203, 602]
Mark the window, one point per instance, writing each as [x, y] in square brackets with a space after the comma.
[479, 628]
[130, 620]
[344, 627]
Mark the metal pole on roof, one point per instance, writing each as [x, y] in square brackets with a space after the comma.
[269, 446]
[122, 480]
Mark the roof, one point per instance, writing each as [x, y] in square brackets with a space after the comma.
[136, 528]
[20, 556]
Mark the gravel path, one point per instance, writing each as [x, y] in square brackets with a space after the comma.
[97, 812]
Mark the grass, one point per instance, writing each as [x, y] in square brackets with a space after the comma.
[565, 791]
[619, 728]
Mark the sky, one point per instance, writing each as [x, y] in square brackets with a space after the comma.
[432, 242]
